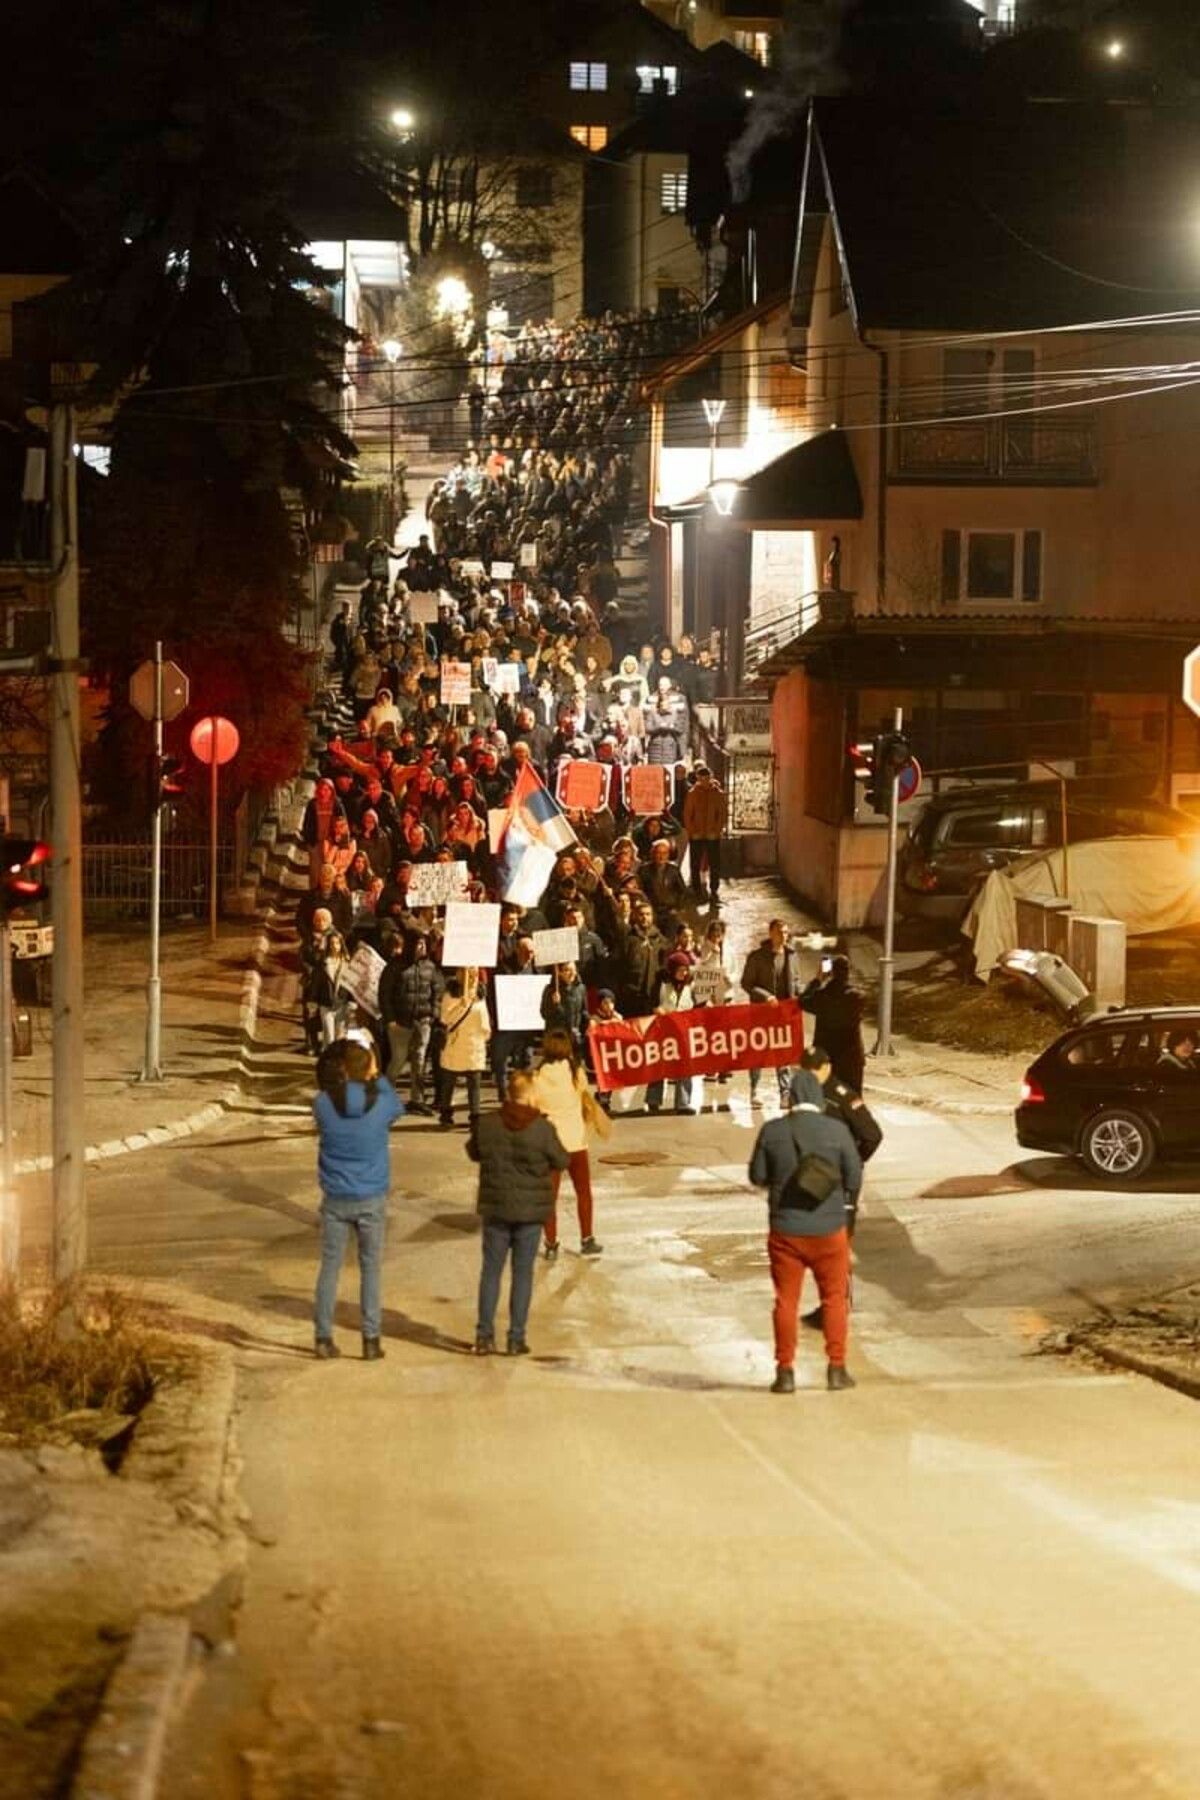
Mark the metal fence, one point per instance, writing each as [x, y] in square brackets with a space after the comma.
[116, 879]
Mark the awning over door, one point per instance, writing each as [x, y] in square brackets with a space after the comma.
[814, 483]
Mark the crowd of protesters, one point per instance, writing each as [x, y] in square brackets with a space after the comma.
[493, 664]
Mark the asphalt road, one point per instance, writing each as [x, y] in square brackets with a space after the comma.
[620, 1566]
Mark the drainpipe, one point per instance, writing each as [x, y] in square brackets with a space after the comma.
[657, 525]
[881, 469]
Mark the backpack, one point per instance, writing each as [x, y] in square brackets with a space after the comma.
[811, 1182]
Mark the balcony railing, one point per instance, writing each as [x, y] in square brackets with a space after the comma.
[1022, 450]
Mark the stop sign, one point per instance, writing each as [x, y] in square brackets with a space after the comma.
[174, 690]
[222, 732]
[1191, 679]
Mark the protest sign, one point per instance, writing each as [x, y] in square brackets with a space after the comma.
[646, 788]
[360, 978]
[471, 565]
[529, 556]
[456, 684]
[472, 936]
[508, 678]
[516, 593]
[703, 1041]
[502, 571]
[423, 609]
[435, 884]
[550, 947]
[582, 785]
[709, 984]
[519, 1002]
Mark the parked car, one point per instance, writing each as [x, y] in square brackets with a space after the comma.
[961, 836]
[1118, 1092]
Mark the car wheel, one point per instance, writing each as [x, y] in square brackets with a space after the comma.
[1117, 1144]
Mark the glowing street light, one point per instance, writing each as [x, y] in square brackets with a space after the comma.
[403, 119]
[714, 412]
[1114, 49]
[723, 495]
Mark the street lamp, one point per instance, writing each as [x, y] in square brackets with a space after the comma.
[403, 120]
[391, 349]
[723, 495]
[1114, 49]
[714, 411]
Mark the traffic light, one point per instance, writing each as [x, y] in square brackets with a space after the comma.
[23, 871]
[166, 780]
[889, 754]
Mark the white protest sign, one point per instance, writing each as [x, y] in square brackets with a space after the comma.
[456, 684]
[550, 947]
[497, 820]
[435, 884]
[502, 571]
[360, 978]
[710, 984]
[519, 1002]
[529, 556]
[472, 936]
[471, 565]
[490, 665]
[507, 678]
[423, 609]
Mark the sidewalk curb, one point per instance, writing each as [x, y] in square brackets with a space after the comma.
[883, 1090]
[123, 1752]
[184, 1445]
[1138, 1365]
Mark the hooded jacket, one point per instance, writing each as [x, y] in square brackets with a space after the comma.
[517, 1149]
[352, 1160]
[806, 1130]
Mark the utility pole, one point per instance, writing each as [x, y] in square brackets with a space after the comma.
[883, 1045]
[10, 1215]
[69, 1196]
[152, 1061]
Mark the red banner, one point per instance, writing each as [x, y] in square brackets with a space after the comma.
[707, 1040]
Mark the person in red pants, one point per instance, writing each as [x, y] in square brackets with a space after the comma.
[560, 1090]
[811, 1168]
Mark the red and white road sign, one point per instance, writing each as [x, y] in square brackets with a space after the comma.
[909, 779]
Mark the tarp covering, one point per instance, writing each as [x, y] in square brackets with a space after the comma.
[1152, 883]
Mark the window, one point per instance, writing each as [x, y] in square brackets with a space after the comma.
[674, 190]
[991, 828]
[649, 73]
[534, 187]
[592, 137]
[1098, 1050]
[976, 379]
[589, 77]
[756, 44]
[991, 565]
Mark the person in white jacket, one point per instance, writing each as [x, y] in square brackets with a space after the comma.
[675, 995]
[466, 1029]
[384, 715]
[560, 1090]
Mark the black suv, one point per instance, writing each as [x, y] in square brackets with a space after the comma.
[962, 835]
[1118, 1092]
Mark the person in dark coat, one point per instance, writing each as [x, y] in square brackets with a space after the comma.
[841, 1102]
[837, 1009]
[772, 972]
[564, 1004]
[808, 1223]
[518, 1152]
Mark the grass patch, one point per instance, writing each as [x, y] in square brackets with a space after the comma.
[70, 1357]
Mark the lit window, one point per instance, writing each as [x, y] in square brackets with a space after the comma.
[589, 77]
[991, 565]
[649, 73]
[592, 137]
[756, 44]
[674, 191]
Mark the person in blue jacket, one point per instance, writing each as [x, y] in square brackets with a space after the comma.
[354, 1112]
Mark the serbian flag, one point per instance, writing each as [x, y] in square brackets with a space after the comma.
[535, 831]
